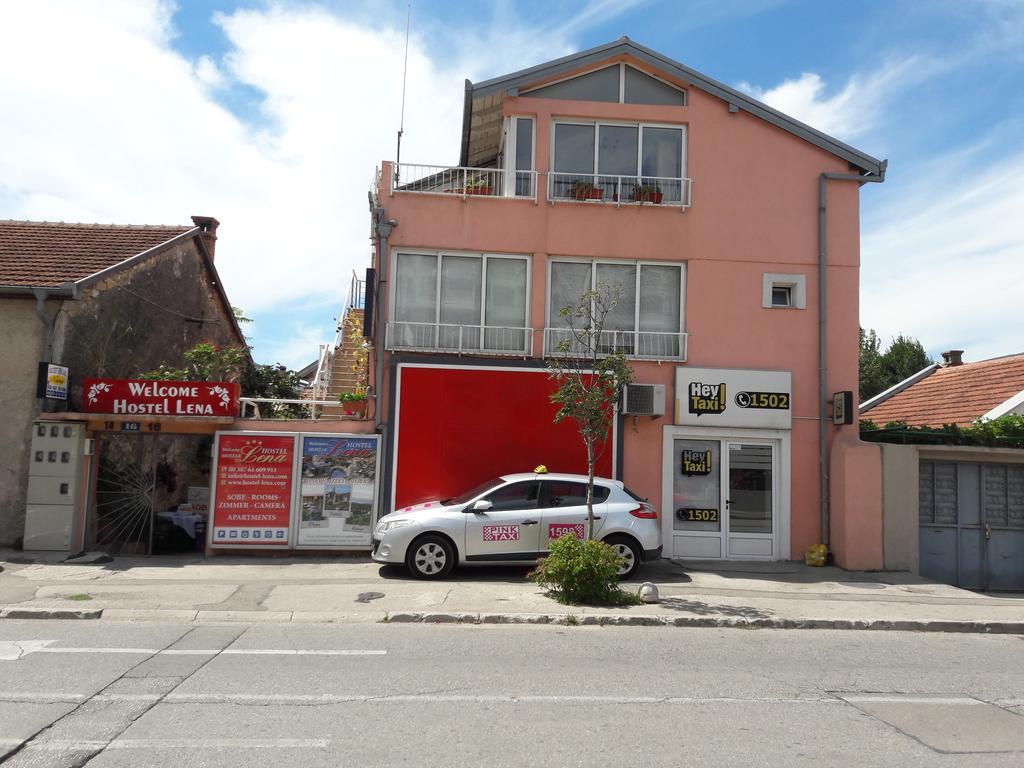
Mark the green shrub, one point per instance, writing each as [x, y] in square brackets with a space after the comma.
[582, 572]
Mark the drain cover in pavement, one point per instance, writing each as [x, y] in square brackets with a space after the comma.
[365, 597]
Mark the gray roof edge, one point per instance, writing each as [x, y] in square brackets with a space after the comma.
[831, 144]
[908, 382]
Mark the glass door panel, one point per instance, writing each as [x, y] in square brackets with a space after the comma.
[697, 489]
[750, 488]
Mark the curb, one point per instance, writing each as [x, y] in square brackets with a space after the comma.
[560, 619]
[725, 622]
[51, 613]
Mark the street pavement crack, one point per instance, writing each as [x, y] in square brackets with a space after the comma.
[42, 731]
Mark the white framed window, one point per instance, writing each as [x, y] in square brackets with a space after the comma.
[784, 291]
[647, 322]
[518, 155]
[626, 161]
[460, 302]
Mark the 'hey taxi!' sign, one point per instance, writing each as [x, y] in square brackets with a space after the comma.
[713, 397]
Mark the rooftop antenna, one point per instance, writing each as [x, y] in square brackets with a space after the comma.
[405, 72]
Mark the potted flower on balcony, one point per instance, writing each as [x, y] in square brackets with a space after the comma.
[584, 190]
[479, 186]
[647, 193]
[354, 403]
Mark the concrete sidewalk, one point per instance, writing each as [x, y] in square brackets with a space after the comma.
[249, 589]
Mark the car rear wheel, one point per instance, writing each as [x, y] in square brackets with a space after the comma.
[629, 552]
[430, 557]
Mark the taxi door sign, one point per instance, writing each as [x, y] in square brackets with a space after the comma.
[501, 532]
[695, 462]
[706, 398]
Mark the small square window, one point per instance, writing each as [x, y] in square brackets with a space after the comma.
[39, 456]
[782, 296]
[64, 488]
[784, 291]
[41, 430]
[65, 457]
[69, 432]
[54, 431]
[51, 457]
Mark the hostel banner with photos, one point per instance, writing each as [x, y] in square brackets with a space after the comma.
[252, 500]
[338, 491]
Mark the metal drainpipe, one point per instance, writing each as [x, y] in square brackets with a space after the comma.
[382, 231]
[823, 179]
[49, 324]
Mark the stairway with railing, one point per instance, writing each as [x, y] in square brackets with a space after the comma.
[342, 365]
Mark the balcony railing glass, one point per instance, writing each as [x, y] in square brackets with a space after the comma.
[465, 182]
[619, 190]
[474, 339]
[639, 345]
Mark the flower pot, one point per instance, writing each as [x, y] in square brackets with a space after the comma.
[647, 197]
[589, 194]
[479, 190]
[354, 408]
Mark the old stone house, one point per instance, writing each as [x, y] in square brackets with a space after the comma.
[102, 300]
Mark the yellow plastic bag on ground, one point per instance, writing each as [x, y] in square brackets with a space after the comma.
[816, 555]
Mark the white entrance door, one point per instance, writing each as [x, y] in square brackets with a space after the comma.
[724, 499]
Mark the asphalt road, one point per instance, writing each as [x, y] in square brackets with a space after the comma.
[107, 694]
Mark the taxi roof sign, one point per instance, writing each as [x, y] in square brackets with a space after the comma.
[540, 470]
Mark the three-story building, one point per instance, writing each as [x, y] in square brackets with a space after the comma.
[715, 216]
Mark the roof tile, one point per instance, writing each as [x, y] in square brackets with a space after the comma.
[956, 394]
[49, 254]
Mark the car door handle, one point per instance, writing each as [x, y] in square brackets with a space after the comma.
[529, 522]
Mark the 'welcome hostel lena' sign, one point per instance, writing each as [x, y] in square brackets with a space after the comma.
[160, 398]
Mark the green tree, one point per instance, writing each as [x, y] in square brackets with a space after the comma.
[590, 373]
[274, 381]
[880, 370]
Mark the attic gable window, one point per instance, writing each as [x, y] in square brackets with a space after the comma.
[619, 83]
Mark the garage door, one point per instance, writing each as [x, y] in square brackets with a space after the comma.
[459, 426]
[972, 524]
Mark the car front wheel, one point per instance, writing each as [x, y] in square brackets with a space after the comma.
[630, 554]
[430, 557]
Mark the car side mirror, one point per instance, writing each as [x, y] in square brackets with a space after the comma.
[480, 505]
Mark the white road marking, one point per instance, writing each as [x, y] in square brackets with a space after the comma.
[909, 699]
[12, 650]
[18, 649]
[74, 745]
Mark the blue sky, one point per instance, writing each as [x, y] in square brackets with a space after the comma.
[273, 115]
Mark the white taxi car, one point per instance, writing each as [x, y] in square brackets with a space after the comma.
[511, 519]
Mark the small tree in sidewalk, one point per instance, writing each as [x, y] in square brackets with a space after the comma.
[591, 370]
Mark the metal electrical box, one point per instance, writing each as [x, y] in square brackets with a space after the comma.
[54, 479]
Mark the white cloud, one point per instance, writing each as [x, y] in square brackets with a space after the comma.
[105, 121]
[852, 110]
[943, 265]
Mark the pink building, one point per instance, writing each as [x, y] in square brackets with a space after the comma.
[716, 215]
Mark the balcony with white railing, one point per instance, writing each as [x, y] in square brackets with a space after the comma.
[636, 345]
[463, 182]
[619, 190]
[459, 339]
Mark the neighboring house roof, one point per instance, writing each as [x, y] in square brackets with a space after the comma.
[51, 254]
[62, 257]
[956, 394]
[482, 99]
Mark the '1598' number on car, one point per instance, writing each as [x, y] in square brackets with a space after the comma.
[691, 515]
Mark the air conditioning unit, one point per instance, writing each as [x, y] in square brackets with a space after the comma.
[643, 400]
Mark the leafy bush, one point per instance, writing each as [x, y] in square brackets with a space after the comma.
[582, 572]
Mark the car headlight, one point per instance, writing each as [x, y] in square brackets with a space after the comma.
[386, 526]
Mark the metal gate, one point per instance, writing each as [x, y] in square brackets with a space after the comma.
[972, 524]
[140, 480]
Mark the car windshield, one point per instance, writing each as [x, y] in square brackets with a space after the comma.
[462, 498]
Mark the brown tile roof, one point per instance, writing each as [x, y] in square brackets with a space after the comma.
[955, 395]
[49, 254]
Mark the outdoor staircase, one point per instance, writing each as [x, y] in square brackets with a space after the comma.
[344, 377]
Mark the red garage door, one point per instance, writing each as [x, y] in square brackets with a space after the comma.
[459, 426]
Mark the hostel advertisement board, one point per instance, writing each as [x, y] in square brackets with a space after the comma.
[337, 491]
[252, 499]
[722, 397]
[160, 398]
